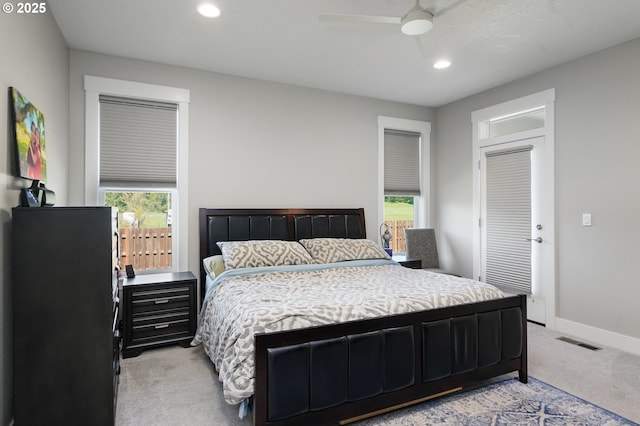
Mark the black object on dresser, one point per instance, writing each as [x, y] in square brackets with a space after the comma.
[158, 309]
[65, 323]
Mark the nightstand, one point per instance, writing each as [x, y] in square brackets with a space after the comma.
[158, 310]
[408, 263]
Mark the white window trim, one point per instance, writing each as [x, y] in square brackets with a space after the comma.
[480, 120]
[94, 87]
[422, 210]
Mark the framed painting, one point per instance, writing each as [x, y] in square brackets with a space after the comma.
[29, 137]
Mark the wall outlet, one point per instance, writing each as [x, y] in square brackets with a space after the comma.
[586, 219]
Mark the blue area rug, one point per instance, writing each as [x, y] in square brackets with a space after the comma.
[507, 402]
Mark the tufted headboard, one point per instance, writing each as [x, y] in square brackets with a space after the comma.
[274, 224]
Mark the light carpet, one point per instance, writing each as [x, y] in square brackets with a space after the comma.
[507, 402]
[174, 386]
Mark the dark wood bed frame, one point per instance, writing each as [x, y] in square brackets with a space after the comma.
[339, 373]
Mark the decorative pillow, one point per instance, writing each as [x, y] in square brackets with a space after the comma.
[251, 254]
[214, 265]
[328, 250]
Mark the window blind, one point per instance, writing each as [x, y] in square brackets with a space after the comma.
[138, 142]
[401, 163]
[508, 220]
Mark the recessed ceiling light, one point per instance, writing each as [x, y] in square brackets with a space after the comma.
[442, 64]
[209, 10]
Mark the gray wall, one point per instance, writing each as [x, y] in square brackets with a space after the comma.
[597, 155]
[33, 58]
[254, 143]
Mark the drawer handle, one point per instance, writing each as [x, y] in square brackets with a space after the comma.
[161, 301]
[158, 326]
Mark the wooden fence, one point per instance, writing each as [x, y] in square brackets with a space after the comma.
[397, 227]
[145, 248]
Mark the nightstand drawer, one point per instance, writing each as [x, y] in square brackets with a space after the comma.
[160, 330]
[151, 318]
[159, 299]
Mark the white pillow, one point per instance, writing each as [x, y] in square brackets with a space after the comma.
[213, 265]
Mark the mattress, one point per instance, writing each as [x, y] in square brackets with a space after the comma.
[244, 302]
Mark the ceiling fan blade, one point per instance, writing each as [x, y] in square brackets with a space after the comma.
[372, 19]
[423, 53]
[448, 8]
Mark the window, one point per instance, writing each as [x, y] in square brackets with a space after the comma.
[518, 122]
[404, 154]
[138, 151]
[137, 137]
[401, 183]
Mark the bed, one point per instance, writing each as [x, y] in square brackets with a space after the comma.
[345, 366]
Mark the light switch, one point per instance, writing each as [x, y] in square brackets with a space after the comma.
[586, 219]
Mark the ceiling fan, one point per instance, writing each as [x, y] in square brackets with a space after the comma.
[416, 21]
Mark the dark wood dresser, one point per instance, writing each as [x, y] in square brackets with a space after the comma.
[65, 322]
[158, 309]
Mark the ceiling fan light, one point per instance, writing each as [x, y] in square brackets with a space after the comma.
[416, 22]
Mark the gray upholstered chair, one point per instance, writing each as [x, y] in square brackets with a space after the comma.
[421, 244]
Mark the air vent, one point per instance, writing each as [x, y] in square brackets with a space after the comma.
[578, 343]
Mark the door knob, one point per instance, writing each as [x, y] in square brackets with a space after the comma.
[537, 240]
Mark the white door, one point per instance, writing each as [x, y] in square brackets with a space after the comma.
[512, 220]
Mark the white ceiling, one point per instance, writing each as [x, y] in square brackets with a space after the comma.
[489, 42]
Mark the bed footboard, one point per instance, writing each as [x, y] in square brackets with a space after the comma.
[330, 374]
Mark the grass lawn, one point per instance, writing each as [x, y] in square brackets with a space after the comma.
[398, 211]
[155, 220]
[152, 220]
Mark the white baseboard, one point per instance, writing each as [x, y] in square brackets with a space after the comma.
[599, 336]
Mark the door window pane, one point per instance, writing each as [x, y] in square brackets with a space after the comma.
[508, 201]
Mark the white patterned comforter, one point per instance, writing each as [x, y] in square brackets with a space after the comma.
[245, 303]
